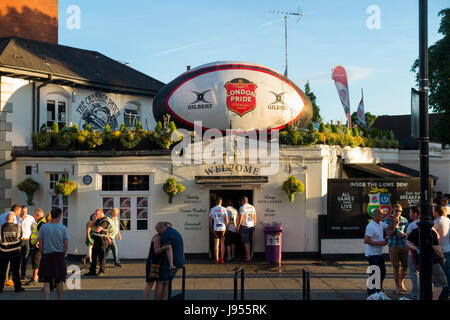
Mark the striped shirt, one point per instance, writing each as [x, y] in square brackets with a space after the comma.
[10, 238]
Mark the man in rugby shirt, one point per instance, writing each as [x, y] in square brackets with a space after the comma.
[218, 225]
[10, 248]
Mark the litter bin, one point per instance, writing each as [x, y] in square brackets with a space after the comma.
[272, 240]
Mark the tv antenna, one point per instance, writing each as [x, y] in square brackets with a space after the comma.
[287, 15]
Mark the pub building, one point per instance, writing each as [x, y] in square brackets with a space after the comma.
[43, 83]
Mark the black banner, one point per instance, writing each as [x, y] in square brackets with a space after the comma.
[351, 201]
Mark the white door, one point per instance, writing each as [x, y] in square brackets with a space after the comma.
[134, 224]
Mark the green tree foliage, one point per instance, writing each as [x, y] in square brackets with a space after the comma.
[316, 110]
[370, 119]
[439, 77]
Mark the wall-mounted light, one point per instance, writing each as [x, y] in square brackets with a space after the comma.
[74, 95]
[70, 170]
[29, 169]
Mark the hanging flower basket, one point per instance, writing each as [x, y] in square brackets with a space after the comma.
[65, 187]
[292, 186]
[29, 186]
[172, 188]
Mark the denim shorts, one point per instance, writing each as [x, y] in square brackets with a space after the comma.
[165, 274]
[247, 234]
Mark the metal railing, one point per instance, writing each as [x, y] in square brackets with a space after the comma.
[182, 295]
[236, 275]
[306, 285]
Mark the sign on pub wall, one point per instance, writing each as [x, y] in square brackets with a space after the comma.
[351, 201]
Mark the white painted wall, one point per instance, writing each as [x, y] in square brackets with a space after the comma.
[299, 219]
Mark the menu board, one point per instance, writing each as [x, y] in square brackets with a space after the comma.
[351, 201]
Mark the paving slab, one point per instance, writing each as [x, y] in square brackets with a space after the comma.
[329, 280]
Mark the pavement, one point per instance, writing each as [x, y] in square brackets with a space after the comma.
[329, 280]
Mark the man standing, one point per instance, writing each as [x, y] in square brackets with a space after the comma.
[414, 215]
[171, 237]
[114, 233]
[398, 250]
[39, 221]
[375, 241]
[247, 220]
[26, 222]
[10, 243]
[442, 227]
[438, 277]
[100, 235]
[218, 221]
[54, 242]
[231, 235]
[16, 209]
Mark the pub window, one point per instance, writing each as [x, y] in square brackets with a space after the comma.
[56, 112]
[131, 117]
[138, 182]
[142, 213]
[112, 183]
[57, 200]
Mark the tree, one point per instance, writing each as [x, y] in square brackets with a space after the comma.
[370, 119]
[316, 110]
[439, 77]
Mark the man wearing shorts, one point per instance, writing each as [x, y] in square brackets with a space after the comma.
[231, 234]
[169, 237]
[218, 221]
[39, 218]
[398, 250]
[248, 222]
[438, 276]
[53, 243]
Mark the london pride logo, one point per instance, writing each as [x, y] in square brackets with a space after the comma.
[241, 96]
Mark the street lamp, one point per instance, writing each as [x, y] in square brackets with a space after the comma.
[425, 224]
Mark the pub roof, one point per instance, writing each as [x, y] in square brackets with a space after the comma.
[42, 61]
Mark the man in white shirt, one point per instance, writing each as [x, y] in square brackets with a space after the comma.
[375, 241]
[247, 220]
[27, 223]
[15, 208]
[218, 225]
[442, 227]
[231, 236]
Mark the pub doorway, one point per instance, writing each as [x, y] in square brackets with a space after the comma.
[235, 196]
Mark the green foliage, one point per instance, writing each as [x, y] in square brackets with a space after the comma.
[339, 135]
[75, 139]
[123, 128]
[292, 186]
[439, 78]
[55, 128]
[370, 119]
[29, 186]
[107, 129]
[311, 127]
[139, 126]
[316, 110]
[322, 128]
[172, 188]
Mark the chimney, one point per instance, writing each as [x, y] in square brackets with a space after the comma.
[188, 68]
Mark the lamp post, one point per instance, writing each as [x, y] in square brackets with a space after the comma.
[425, 224]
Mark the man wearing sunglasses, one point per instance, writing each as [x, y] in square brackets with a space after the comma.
[398, 250]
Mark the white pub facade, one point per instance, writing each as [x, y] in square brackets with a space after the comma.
[43, 83]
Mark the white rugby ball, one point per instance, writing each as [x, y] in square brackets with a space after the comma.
[233, 95]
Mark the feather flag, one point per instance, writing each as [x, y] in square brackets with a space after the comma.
[360, 111]
[339, 76]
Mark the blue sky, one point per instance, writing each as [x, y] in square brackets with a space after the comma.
[162, 38]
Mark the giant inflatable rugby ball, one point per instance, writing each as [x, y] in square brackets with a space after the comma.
[233, 95]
